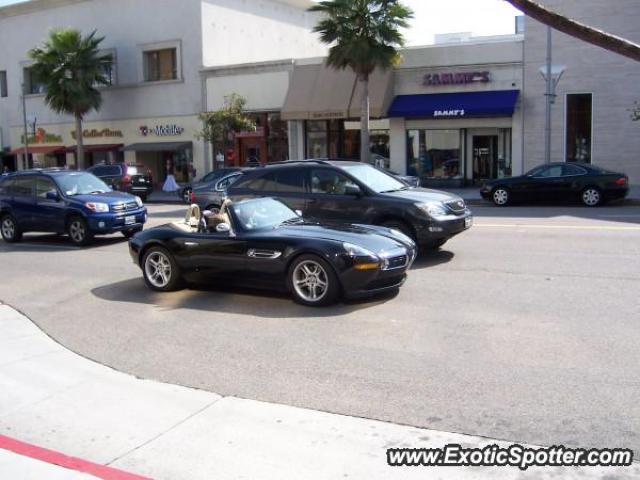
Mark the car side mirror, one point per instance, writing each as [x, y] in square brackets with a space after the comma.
[52, 196]
[223, 228]
[352, 190]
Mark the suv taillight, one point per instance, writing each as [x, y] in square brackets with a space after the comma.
[621, 181]
[126, 179]
[193, 197]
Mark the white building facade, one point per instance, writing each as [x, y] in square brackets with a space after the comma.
[160, 48]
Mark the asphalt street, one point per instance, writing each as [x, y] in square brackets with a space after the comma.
[524, 328]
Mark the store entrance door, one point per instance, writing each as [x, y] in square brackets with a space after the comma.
[250, 152]
[485, 157]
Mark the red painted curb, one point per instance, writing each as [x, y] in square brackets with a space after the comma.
[62, 460]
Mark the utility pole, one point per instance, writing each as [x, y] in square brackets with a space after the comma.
[549, 97]
[26, 133]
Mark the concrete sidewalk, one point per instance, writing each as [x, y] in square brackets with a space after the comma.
[55, 399]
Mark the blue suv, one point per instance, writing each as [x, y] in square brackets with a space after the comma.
[63, 201]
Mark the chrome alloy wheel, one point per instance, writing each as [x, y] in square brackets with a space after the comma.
[500, 196]
[591, 197]
[8, 228]
[310, 281]
[157, 268]
[77, 231]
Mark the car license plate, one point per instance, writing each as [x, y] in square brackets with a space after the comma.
[129, 220]
[468, 222]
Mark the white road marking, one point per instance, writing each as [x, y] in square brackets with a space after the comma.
[559, 227]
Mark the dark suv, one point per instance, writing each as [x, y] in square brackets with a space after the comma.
[77, 203]
[125, 178]
[355, 192]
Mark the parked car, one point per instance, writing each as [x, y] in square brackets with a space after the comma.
[264, 244]
[559, 182]
[132, 179]
[210, 196]
[208, 179]
[63, 201]
[355, 192]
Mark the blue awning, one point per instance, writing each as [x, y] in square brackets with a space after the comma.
[493, 103]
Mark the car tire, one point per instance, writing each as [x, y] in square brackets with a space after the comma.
[131, 232]
[500, 196]
[591, 196]
[79, 232]
[312, 281]
[9, 228]
[435, 244]
[186, 196]
[401, 226]
[160, 270]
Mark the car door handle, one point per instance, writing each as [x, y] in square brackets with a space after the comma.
[191, 244]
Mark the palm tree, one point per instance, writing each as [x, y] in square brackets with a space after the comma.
[71, 68]
[364, 35]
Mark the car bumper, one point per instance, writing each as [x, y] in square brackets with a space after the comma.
[444, 227]
[105, 223]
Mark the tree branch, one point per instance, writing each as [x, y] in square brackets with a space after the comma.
[578, 30]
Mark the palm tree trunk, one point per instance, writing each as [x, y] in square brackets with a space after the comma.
[80, 144]
[364, 120]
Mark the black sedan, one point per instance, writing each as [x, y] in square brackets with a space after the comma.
[559, 182]
[261, 243]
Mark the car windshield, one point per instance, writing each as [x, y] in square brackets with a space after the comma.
[373, 178]
[81, 183]
[263, 213]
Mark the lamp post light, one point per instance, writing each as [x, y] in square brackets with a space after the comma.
[552, 75]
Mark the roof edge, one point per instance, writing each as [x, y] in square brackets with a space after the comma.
[31, 6]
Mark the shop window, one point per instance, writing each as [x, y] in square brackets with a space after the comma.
[32, 84]
[434, 153]
[3, 83]
[160, 65]
[317, 139]
[578, 135]
[278, 141]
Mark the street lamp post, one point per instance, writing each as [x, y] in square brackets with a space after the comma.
[552, 75]
[24, 119]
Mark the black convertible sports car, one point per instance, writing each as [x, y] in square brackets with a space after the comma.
[558, 182]
[262, 243]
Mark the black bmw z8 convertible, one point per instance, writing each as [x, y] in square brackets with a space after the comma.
[262, 243]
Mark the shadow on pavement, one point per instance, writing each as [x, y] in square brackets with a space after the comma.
[237, 301]
[56, 243]
[175, 213]
[432, 258]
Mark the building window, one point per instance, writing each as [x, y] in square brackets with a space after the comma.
[3, 83]
[278, 141]
[160, 65]
[317, 139]
[434, 153]
[108, 67]
[32, 84]
[579, 115]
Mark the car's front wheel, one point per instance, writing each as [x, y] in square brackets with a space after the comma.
[79, 232]
[313, 282]
[500, 196]
[160, 270]
[591, 197]
[186, 196]
[9, 228]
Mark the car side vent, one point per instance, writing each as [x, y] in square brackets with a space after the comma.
[260, 253]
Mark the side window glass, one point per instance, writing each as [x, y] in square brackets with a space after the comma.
[6, 187]
[266, 183]
[44, 186]
[329, 182]
[97, 171]
[23, 187]
[113, 170]
[291, 181]
[551, 171]
[572, 170]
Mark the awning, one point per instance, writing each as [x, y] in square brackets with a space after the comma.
[101, 147]
[42, 149]
[493, 103]
[157, 146]
[319, 92]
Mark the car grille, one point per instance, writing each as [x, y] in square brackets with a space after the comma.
[125, 207]
[396, 262]
[456, 206]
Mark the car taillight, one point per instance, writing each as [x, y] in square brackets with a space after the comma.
[126, 179]
[193, 197]
[621, 181]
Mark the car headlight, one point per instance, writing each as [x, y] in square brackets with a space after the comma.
[364, 259]
[401, 236]
[97, 207]
[433, 209]
[139, 201]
